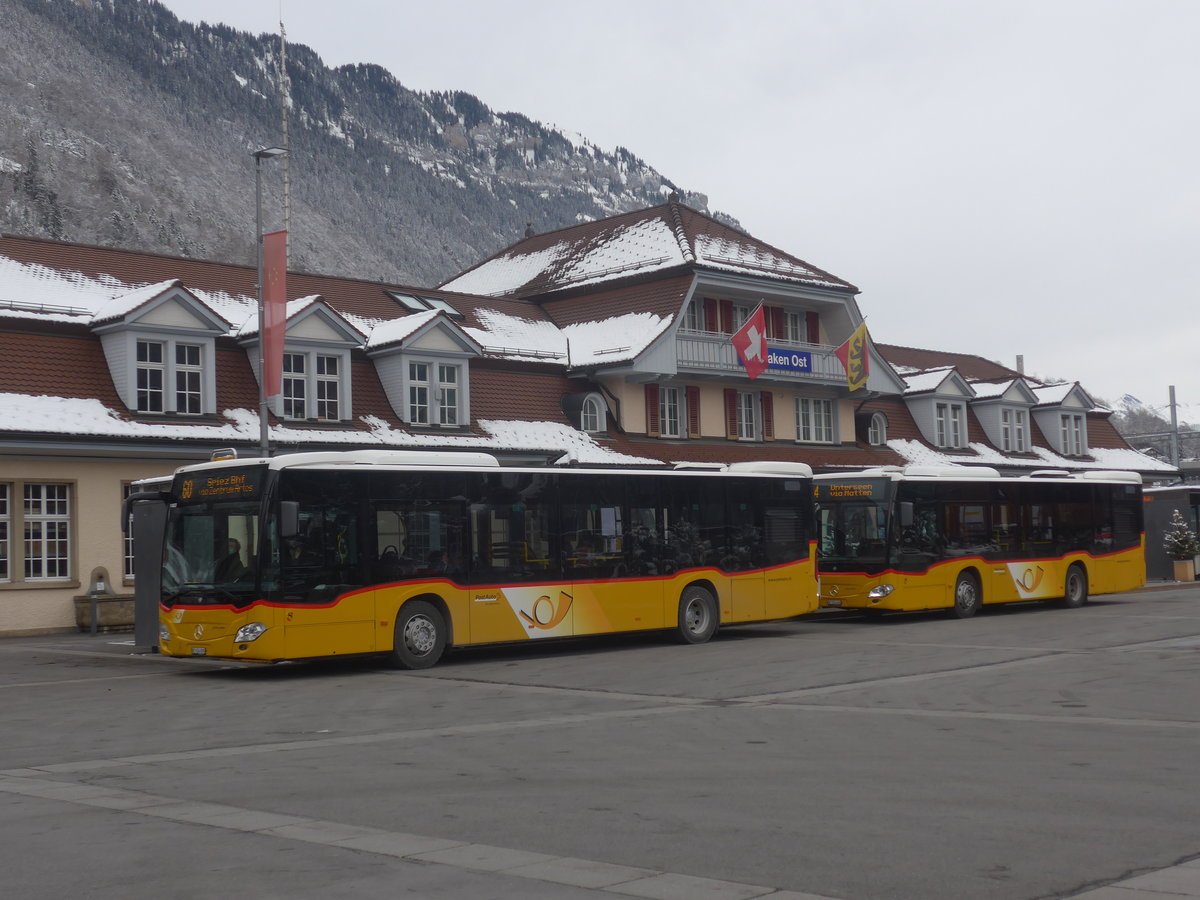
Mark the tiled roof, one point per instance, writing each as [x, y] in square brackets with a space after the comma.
[970, 366]
[632, 245]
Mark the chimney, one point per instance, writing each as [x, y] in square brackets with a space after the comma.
[1021, 363]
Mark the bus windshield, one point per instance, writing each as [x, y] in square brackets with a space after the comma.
[853, 524]
[210, 553]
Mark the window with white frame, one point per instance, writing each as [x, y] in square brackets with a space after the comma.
[793, 327]
[5, 529]
[189, 379]
[747, 416]
[814, 420]
[46, 520]
[671, 412]
[693, 316]
[592, 417]
[151, 375]
[127, 537]
[312, 375]
[329, 388]
[433, 393]
[295, 386]
[877, 430]
[447, 397]
[1073, 435]
[160, 363]
[1013, 430]
[741, 312]
[949, 425]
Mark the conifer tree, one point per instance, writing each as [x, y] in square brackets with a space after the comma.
[1179, 541]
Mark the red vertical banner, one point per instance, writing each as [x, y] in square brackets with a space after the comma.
[274, 300]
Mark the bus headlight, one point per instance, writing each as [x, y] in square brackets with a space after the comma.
[164, 633]
[880, 591]
[251, 632]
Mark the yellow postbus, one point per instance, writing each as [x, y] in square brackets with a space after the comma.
[958, 537]
[409, 553]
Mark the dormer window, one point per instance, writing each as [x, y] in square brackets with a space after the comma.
[433, 393]
[877, 430]
[312, 386]
[949, 425]
[163, 363]
[592, 415]
[1014, 430]
[1074, 435]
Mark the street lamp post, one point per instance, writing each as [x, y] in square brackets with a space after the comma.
[264, 447]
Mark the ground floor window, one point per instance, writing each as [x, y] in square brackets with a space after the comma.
[814, 420]
[43, 520]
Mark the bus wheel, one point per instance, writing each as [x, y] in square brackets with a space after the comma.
[1077, 589]
[967, 596]
[698, 618]
[420, 636]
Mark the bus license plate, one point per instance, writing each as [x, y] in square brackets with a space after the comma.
[199, 651]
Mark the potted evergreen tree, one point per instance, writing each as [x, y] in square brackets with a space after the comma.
[1181, 545]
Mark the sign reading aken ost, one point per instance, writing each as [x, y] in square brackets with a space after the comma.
[789, 360]
[199, 487]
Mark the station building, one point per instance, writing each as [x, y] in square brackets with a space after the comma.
[606, 343]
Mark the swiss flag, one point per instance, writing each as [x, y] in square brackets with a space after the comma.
[750, 342]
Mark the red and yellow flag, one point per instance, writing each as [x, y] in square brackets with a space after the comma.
[855, 358]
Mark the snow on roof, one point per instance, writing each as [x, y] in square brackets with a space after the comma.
[1102, 458]
[723, 252]
[513, 337]
[394, 331]
[250, 326]
[926, 381]
[67, 415]
[36, 291]
[506, 273]
[1049, 394]
[989, 390]
[613, 340]
[122, 305]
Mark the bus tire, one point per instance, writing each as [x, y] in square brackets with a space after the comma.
[1076, 589]
[968, 598]
[420, 635]
[698, 618]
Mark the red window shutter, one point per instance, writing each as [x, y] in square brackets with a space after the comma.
[692, 394]
[776, 327]
[653, 428]
[731, 414]
[712, 320]
[726, 307]
[813, 323]
[768, 415]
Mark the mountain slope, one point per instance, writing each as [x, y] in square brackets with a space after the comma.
[123, 126]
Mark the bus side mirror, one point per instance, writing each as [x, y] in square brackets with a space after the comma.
[906, 514]
[289, 518]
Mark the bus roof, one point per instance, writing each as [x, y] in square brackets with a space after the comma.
[981, 473]
[432, 459]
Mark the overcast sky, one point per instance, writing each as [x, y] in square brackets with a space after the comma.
[999, 177]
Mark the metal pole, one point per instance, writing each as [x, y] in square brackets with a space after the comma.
[264, 449]
[1174, 431]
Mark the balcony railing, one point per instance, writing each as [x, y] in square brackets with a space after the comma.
[706, 351]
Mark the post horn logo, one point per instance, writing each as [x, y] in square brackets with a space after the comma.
[545, 614]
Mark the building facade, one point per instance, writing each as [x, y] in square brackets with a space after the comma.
[606, 343]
